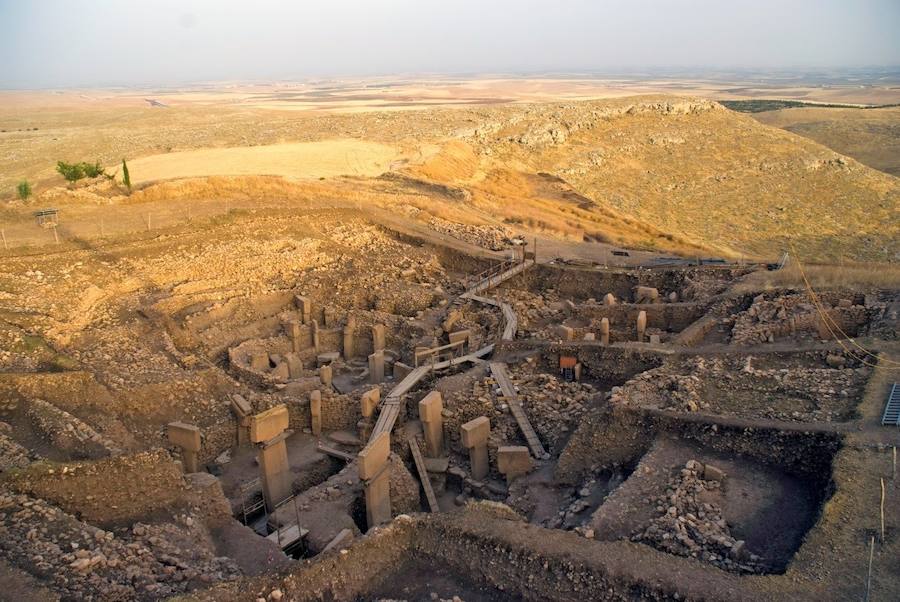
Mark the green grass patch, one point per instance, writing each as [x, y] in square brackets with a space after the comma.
[760, 105]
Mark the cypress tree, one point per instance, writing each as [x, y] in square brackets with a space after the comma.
[126, 177]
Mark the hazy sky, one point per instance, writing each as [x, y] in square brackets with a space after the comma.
[55, 43]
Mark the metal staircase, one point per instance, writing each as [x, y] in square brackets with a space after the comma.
[892, 407]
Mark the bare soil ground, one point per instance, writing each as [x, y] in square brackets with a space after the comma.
[324, 159]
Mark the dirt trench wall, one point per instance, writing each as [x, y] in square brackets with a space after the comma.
[453, 260]
[611, 364]
[604, 438]
[503, 554]
[620, 435]
[332, 576]
[694, 334]
[673, 317]
[144, 483]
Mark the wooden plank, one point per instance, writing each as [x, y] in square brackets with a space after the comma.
[335, 453]
[498, 370]
[287, 537]
[423, 474]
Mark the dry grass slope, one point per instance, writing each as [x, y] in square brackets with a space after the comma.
[871, 136]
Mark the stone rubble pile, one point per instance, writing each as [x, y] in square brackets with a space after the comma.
[82, 562]
[667, 391]
[772, 316]
[734, 386]
[553, 406]
[66, 431]
[13, 455]
[688, 526]
[495, 238]
[534, 311]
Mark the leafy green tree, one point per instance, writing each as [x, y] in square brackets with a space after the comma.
[24, 190]
[126, 177]
[72, 172]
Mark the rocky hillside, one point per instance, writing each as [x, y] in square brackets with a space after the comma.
[665, 172]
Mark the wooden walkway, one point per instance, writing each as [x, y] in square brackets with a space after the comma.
[495, 279]
[390, 407]
[498, 370]
[423, 475]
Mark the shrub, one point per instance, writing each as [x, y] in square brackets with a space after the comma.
[72, 172]
[24, 190]
[93, 171]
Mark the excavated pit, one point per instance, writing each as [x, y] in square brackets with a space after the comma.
[730, 404]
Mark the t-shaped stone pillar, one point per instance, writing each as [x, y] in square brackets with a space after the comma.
[513, 461]
[369, 401]
[187, 437]
[378, 337]
[565, 333]
[315, 411]
[604, 331]
[367, 404]
[350, 338]
[430, 408]
[474, 435]
[295, 332]
[242, 410]
[641, 325]
[609, 299]
[375, 472]
[305, 307]
[315, 335]
[269, 430]
[325, 375]
[376, 367]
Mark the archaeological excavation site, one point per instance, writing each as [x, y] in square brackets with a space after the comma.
[326, 405]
